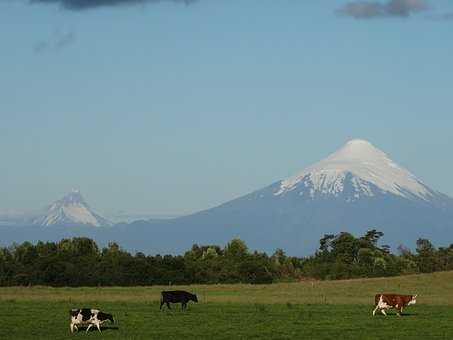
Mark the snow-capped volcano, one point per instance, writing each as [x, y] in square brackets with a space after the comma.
[71, 210]
[355, 189]
[365, 169]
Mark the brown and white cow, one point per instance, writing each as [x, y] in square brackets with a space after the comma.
[397, 301]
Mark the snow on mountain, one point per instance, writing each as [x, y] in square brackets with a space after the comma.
[71, 210]
[362, 165]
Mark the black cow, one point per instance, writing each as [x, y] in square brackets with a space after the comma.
[177, 296]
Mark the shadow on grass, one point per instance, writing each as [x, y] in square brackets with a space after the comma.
[393, 315]
[103, 329]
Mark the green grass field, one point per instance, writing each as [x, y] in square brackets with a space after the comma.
[305, 310]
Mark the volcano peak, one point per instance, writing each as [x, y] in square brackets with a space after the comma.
[71, 210]
[369, 170]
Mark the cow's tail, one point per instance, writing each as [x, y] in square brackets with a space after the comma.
[161, 297]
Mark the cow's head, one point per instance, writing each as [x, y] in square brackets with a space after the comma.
[74, 312]
[194, 298]
[413, 300]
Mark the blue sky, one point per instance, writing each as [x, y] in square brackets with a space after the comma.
[170, 108]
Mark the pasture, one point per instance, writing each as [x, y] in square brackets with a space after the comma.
[304, 310]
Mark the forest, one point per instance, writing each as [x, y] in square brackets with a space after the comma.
[81, 262]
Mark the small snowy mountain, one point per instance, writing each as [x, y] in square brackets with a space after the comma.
[71, 210]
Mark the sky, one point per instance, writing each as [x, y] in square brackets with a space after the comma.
[170, 107]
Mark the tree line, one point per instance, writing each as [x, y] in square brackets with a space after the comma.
[80, 262]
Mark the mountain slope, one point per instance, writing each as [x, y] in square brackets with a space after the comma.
[356, 188]
[71, 210]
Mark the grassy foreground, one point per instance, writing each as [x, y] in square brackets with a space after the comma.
[305, 310]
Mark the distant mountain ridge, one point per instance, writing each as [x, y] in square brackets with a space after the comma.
[354, 189]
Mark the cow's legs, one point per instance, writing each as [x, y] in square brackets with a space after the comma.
[183, 305]
[168, 305]
[98, 325]
[383, 312]
[71, 327]
[374, 312]
[398, 310]
[161, 304]
[89, 326]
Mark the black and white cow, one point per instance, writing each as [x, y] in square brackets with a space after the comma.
[87, 316]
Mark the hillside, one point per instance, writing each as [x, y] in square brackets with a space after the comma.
[432, 289]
